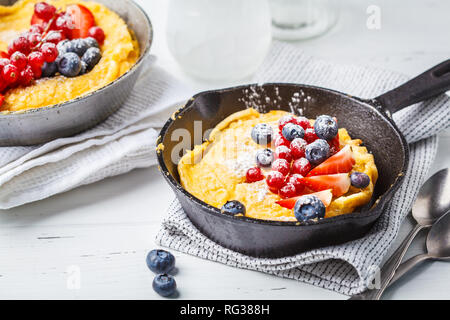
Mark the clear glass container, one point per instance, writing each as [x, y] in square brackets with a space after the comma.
[217, 39]
[302, 19]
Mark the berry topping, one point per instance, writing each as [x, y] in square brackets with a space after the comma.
[281, 166]
[36, 59]
[44, 11]
[281, 141]
[341, 162]
[301, 166]
[84, 68]
[80, 46]
[49, 69]
[335, 145]
[325, 196]
[20, 44]
[292, 131]
[160, 261]
[262, 133]
[26, 76]
[36, 28]
[82, 19]
[264, 158]
[234, 208]
[310, 135]
[65, 25]
[49, 51]
[69, 65]
[288, 191]
[296, 181]
[98, 34]
[19, 60]
[339, 183]
[303, 122]
[275, 180]
[164, 285]
[326, 127]
[64, 47]
[283, 152]
[317, 152]
[92, 57]
[92, 42]
[10, 74]
[309, 207]
[359, 180]
[4, 62]
[298, 148]
[254, 175]
[55, 37]
[285, 120]
[34, 38]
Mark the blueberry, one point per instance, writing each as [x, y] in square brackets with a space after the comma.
[84, 68]
[64, 47]
[160, 261]
[233, 207]
[49, 69]
[293, 131]
[262, 134]
[309, 207]
[92, 57]
[317, 152]
[326, 127]
[69, 65]
[264, 158]
[164, 285]
[92, 43]
[360, 180]
[80, 46]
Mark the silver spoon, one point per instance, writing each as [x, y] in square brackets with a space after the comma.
[432, 202]
[438, 247]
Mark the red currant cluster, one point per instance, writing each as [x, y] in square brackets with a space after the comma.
[27, 53]
[290, 164]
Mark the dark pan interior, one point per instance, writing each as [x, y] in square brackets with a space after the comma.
[362, 120]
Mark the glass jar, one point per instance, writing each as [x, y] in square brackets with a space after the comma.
[217, 39]
[302, 19]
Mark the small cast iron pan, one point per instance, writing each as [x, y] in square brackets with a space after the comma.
[38, 126]
[369, 120]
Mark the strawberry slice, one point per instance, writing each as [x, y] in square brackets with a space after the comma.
[36, 20]
[83, 20]
[339, 183]
[341, 162]
[325, 196]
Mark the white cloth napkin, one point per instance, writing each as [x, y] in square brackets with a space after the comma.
[123, 142]
[346, 268]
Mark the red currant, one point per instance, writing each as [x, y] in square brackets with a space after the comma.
[310, 135]
[10, 73]
[49, 51]
[36, 28]
[303, 122]
[36, 60]
[20, 44]
[288, 191]
[301, 166]
[281, 166]
[275, 180]
[281, 141]
[34, 39]
[19, 60]
[44, 11]
[298, 148]
[296, 181]
[285, 120]
[283, 152]
[37, 72]
[65, 24]
[254, 175]
[55, 37]
[4, 62]
[98, 34]
[26, 76]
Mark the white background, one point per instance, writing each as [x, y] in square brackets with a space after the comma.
[104, 230]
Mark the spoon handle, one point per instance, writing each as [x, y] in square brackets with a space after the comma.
[408, 265]
[389, 268]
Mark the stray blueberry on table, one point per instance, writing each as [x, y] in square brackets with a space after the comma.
[233, 207]
[359, 180]
[160, 261]
[92, 57]
[264, 158]
[326, 127]
[69, 65]
[292, 131]
[262, 134]
[164, 285]
[309, 207]
[317, 152]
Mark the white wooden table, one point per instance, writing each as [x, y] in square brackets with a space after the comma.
[100, 234]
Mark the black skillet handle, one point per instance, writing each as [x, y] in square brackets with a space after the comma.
[428, 85]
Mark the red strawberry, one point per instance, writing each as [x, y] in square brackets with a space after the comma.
[288, 191]
[2, 99]
[83, 20]
[341, 162]
[335, 145]
[340, 183]
[325, 196]
[36, 20]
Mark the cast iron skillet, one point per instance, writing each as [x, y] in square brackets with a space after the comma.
[369, 120]
[42, 125]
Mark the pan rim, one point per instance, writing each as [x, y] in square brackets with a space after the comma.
[380, 202]
[7, 115]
